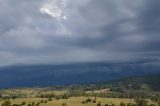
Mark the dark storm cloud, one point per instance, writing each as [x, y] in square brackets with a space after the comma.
[105, 30]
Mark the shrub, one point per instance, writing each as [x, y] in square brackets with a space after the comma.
[83, 102]
[88, 100]
[113, 105]
[42, 101]
[57, 97]
[23, 103]
[50, 99]
[64, 104]
[94, 101]
[129, 104]
[122, 104]
[7, 103]
[14, 105]
[38, 104]
[152, 105]
[141, 102]
[99, 104]
[33, 103]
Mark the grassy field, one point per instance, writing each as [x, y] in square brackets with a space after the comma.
[74, 101]
[71, 101]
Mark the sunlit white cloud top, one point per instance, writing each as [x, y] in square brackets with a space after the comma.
[55, 8]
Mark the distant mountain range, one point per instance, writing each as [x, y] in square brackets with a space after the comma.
[46, 75]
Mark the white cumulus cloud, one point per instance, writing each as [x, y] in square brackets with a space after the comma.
[55, 8]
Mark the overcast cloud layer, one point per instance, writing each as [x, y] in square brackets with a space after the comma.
[78, 31]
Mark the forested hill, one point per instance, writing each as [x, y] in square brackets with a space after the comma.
[140, 82]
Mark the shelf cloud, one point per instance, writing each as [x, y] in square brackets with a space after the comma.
[67, 31]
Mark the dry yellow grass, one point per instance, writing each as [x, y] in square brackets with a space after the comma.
[99, 91]
[74, 101]
[56, 92]
[31, 93]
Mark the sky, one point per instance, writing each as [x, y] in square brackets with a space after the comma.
[69, 31]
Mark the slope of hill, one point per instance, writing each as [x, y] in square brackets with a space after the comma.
[140, 82]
